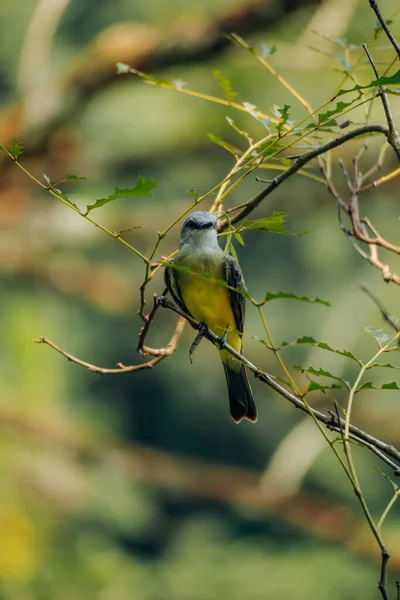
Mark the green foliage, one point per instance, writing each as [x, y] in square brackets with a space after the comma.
[143, 187]
[323, 373]
[380, 82]
[323, 345]
[274, 296]
[225, 84]
[283, 117]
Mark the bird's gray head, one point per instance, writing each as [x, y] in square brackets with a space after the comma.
[200, 228]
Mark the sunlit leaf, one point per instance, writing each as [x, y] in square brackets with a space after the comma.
[143, 187]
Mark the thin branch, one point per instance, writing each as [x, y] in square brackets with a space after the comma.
[374, 5]
[394, 136]
[382, 581]
[158, 353]
[328, 420]
[302, 160]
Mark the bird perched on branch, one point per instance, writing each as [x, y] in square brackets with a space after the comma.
[195, 280]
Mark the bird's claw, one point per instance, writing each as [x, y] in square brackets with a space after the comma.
[201, 331]
[221, 342]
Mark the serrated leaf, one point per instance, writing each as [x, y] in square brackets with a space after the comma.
[75, 178]
[322, 373]
[314, 385]
[369, 385]
[225, 84]
[310, 340]
[143, 187]
[381, 81]
[325, 118]
[271, 296]
[273, 223]
[283, 113]
[385, 366]
[15, 149]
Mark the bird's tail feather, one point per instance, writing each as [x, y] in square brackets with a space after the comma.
[241, 401]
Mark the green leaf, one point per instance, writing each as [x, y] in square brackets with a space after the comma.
[75, 178]
[225, 84]
[274, 223]
[381, 81]
[122, 68]
[368, 385]
[379, 334]
[238, 238]
[283, 113]
[322, 345]
[271, 296]
[143, 188]
[325, 118]
[385, 366]
[322, 373]
[15, 149]
[313, 386]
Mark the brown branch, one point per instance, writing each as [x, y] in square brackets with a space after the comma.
[374, 5]
[158, 353]
[330, 421]
[301, 161]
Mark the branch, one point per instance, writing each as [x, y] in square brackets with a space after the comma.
[158, 353]
[374, 5]
[302, 160]
[329, 420]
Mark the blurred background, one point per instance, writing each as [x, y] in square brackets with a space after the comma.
[140, 486]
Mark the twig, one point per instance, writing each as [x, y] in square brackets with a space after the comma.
[382, 581]
[331, 423]
[302, 160]
[374, 5]
[158, 353]
[385, 102]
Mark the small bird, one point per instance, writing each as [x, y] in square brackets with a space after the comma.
[207, 301]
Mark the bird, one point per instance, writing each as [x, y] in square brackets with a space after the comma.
[195, 285]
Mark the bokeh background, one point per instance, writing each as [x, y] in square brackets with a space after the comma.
[140, 486]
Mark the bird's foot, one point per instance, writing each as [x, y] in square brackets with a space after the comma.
[201, 331]
[221, 342]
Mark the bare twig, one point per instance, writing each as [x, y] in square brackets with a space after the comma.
[382, 580]
[302, 160]
[158, 353]
[374, 5]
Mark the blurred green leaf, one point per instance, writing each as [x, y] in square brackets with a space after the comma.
[143, 187]
[369, 385]
[225, 84]
[322, 373]
[283, 113]
[271, 296]
[322, 345]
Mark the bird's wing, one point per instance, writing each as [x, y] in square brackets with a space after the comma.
[234, 278]
[172, 285]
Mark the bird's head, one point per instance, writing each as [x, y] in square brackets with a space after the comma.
[199, 228]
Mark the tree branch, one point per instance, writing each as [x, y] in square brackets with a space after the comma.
[329, 420]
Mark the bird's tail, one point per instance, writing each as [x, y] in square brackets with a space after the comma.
[241, 401]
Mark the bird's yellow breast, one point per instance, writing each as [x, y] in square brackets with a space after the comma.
[207, 300]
